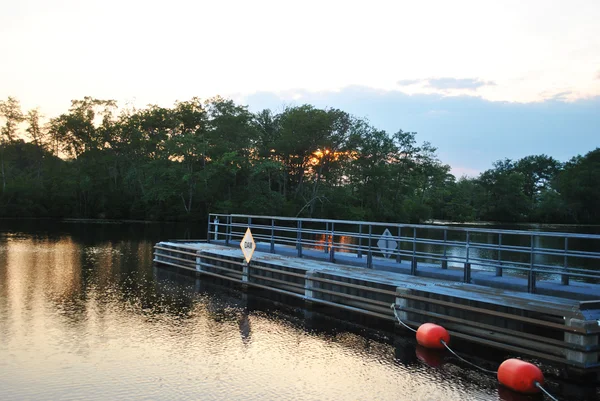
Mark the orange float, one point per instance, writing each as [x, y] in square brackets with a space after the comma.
[430, 335]
[520, 376]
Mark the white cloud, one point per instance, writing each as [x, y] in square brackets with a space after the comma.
[447, 83]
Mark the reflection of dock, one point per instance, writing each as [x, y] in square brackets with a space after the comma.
[476, 308]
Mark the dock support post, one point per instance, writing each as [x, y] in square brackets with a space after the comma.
[199, 261]
[401, 303]
[245, 271]
[309, 284]
[588, 341]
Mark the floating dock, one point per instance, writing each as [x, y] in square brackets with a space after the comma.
[561, 329]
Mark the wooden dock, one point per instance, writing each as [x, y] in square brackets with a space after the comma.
[558, 329]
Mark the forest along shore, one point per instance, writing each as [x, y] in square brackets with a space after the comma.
[180, 163]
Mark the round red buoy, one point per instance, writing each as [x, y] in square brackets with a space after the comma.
[430, 335]
[431, 357]
[520, 376]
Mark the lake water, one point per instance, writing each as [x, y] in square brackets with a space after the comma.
[84, 315]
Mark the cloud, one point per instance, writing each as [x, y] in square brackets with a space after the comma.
[560, 96]
[409, 82]
[598, 75]
[447, 83]
[458, 83]
[469, 132]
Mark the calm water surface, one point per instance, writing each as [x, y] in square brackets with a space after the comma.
[84, 315]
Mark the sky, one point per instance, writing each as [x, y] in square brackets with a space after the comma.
[480, 80]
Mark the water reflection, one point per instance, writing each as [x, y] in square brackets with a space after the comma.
[84, 315]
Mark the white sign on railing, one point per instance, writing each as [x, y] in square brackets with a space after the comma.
[248, 245]
[386, 243]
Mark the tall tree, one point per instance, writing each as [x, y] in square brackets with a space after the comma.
[538, 173]
[10, 111]
[37, 135]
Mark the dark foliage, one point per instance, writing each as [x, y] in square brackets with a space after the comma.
[180, 163]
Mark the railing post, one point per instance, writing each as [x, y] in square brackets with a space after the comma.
[467, 268]
[413, 263]
[565, 277]
[370, 253]
[299, 239]
[359, 253]
[208, 230]
[498, 268]
[531, 276]
[332, 248]
[272, 235]
[326, 238]
[228, 230]
[398, 256]
[216, 228]
[445, 261]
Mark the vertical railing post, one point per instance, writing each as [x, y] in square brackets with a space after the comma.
[332, 248]
[565, 277]
[467, 268]
[208, 229]
[228, 229]
[299, 239]
[398, 256]
[413, 263]
[216, 228]
[499, 268]
[445, 260]
[272, 235]
[326, 238]
[370, 253]
[359, 253]
[531, 276]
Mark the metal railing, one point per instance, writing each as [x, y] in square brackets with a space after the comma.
[537, 255]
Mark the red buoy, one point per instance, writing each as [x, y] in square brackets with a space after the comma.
[431, 335]
[520, 376]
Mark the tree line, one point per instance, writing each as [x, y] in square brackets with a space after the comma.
[179, 163]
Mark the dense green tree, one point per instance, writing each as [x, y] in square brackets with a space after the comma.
[538, 173]
[504, 197]
[578, 185]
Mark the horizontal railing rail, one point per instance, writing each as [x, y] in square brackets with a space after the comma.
[535, 254]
